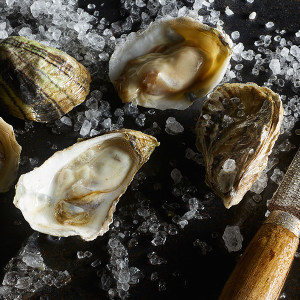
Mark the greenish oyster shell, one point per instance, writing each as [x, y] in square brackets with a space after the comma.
[39, 83]
[10, 152]
[236, 132]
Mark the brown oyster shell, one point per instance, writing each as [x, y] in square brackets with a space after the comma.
[9, 156]
[245, 135]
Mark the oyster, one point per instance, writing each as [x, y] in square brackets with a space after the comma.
[9, 156]
[37, 82]
[236, 132]
[75, 192]
[170, 63]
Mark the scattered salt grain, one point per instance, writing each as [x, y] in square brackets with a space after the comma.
[228, 11]
[173, 127]
[176, 175]
[269, 25]
[275, 66]
[85, 128]
[235, 35]
[233, 238]
[252, 16]
[277, 176]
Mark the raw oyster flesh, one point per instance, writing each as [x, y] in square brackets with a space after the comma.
[170, 64]
[10, 152]
[37, 82]
[75, 191]
[236, 132]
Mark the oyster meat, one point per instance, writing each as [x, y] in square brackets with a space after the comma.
[37, 82]
[75, 192]
[170, 64]
[10, 152]
[236, 132]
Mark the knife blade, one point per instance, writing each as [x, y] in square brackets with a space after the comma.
[262, 270]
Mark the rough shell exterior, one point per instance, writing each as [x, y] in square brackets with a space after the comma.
[10, 152]
[236, 132]
[37, 82]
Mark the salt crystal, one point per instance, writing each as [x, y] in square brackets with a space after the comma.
[176, 175]
[162, 285]
[275, 66]
[297, 34]
[235, 35]
[10, 2]
[229, 165]
[277, 176]
[228, 11]
[140, 3]
[252, 16]
[3, 34]
[173, 127]
[154, 276]
[295, 51]
[154, 259]
[85, 128]
[91, 6]
[248, 55]
[140, 120]
[233, 238]
[159, 239]
[66, 120]
[106, 123]
[269, 25]
[284, 52]
[250, 1]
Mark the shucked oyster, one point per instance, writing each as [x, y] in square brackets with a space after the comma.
[75, 192]
[236, 131]
[170, 63]
[39, 83]
[9, 156]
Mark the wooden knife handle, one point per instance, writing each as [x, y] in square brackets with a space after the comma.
[263, 268]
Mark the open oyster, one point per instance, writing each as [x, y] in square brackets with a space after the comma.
[170, 63]
[236, 132]
[75, 192]
[37, 82]
[9, 156]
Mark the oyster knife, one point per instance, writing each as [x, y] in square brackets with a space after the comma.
[264, 266]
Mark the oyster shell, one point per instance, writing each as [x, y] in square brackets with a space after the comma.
[75, 192]
[170, 63]
[9, 156]
[37, 82]
[236, 132]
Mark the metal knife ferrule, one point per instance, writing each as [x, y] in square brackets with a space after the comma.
[285, 220]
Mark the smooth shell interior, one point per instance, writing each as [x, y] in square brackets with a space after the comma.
[167, 63]
[76, 190]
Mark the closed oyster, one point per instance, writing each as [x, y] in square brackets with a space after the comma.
[37, 82]
[236, 132]
[9, 156]
[170, 63]
[75, 192]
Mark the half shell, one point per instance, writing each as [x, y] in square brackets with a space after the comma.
[9, 156]
[170, 63]
[37, 82]
[75, 192]
[236, 132]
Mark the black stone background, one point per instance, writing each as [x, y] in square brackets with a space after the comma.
[188, 274]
